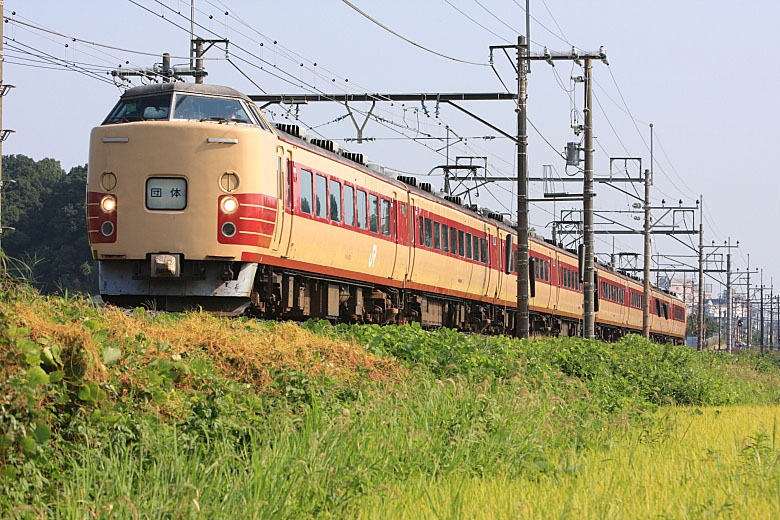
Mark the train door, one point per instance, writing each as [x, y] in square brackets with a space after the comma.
[485, 261]
[402, 235]
[414, 211]
[284, 183]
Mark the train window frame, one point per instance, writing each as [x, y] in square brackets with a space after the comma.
[362, 216]
[321, 205]
[436, 235]
[461, 247]
[468, 246]
[421, 234]
[349, 214]
[475, 248]
[386, 215]
[453, 241]
[373, 213]
[261, 122]
[546, 270]
[428, 232]
[445, 238]
[334, 203]
[483, 249]
[218, 119]
[302, 175]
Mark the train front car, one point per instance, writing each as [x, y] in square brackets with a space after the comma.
[182, 197]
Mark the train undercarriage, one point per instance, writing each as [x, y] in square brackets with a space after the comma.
[286, 294]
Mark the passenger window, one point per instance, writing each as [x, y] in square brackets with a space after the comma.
[484, 250]
[428, 232]
[461, 246]
[386, 217]
[306, 191]
[468, 245]
[476, 249]
[321, 195]
[445, 238]
[335, 201]
[422, 232]
[373, 215]
[546, 270]
[453, 241]
[361, 209]
[436, 235]
[349, 205]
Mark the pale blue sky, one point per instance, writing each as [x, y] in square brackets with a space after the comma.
[704, 72]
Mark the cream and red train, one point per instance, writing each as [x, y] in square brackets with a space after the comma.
[193, 199]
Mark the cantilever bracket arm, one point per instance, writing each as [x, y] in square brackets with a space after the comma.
[475, 116]
[360, 128]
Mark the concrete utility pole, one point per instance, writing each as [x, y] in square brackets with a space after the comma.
[700, 329]
[646, 282]
[2, 59]
[523, 308]
[192, 32]
[761, 312]
[589, 316]
[771, 314]
[749, 310]
[728, 299]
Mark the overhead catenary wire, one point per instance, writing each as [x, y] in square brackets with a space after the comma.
[380, 24]
[291, 78]
[476, 22]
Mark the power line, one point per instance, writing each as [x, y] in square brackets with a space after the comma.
[353, 6]
[476, 22]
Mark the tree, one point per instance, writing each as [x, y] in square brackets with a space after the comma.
[47, 208]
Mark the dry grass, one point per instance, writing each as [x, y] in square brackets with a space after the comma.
[243, 350]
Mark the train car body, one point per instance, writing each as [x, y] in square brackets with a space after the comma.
[194, 200]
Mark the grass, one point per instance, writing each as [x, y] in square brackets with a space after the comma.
[107, 413]
[710, 463]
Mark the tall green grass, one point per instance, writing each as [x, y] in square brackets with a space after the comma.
[104, 413]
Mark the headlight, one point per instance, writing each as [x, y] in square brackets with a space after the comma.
[108, 204]
[229, 205]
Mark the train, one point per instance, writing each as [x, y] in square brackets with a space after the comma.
[194, 200]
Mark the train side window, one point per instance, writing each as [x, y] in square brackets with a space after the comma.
[321, 195]
[335, 201]
[476, 248]
[453, 241]
[422, 231]
[349, 205]
[468, 245]
[460, 243]
[436, 235]
[428, 233]
[547, 270]
[386, 217]
[484, 250]
[445, 238]
[361, 210]
[306, 192]
[373, 213]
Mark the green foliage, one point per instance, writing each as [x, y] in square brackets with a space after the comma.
[101, 422]
[47, 208]
[631, 374]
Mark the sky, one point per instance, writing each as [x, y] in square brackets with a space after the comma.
[703, 72]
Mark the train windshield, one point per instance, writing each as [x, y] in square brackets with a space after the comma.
[202, 108]
[142, 108]
[183, 107]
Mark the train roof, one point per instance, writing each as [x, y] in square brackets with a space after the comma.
[189, 88]
[433, 197]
